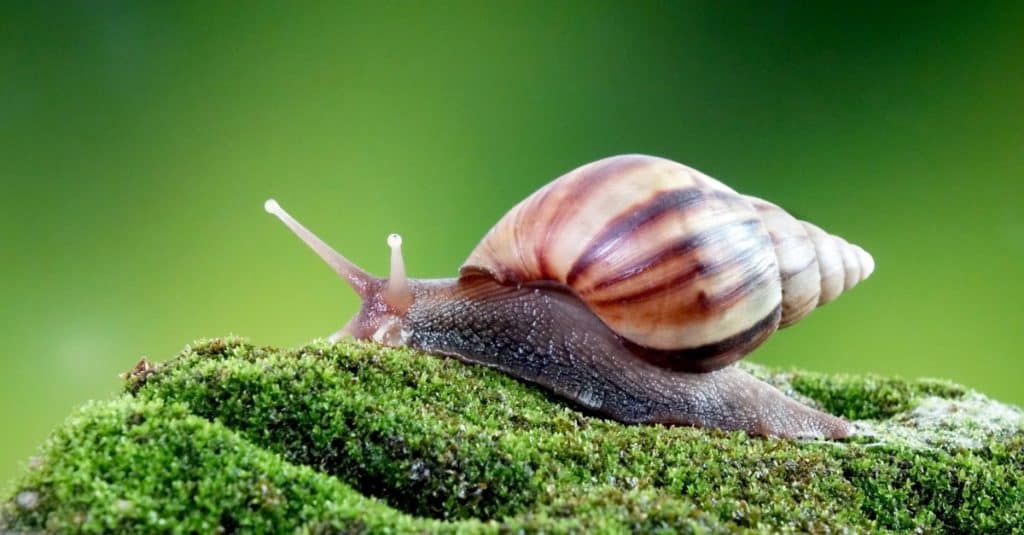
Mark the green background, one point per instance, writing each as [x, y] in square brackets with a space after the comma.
[138, 142]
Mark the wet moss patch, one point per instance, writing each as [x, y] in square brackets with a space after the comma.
[357, 438]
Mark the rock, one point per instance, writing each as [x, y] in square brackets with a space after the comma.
[27, 500]
[354, 437]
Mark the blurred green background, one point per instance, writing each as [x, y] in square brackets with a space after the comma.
[138, 142]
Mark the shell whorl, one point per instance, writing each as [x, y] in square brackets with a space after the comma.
[666, 256]
[814, 266]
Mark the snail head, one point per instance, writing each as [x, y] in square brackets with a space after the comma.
[385, 302]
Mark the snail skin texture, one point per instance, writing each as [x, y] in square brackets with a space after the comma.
[629, 286]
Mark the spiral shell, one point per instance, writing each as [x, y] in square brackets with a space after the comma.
[670, 258]
[815, 267]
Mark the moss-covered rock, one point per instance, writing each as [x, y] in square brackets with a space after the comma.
[356, 438]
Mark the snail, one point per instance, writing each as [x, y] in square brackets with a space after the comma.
[629, 286]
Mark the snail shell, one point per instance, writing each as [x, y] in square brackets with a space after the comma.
[669, 258]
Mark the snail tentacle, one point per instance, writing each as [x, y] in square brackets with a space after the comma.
[397, 294]
[357, 278]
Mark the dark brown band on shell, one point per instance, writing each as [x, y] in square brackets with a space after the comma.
[682, 248]
[588, 182]
[626, 224]
[714, 356]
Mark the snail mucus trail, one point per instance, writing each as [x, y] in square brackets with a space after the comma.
[630, 286]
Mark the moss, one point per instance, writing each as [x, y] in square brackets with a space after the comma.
[869, 397]
[358, 438]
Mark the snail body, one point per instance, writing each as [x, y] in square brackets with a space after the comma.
[629, 286]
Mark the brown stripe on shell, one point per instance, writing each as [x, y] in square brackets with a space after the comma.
[621, 227]
[741, 283]
[787, 275]
[662, 204]
[586, 183]
[538, 251]
[795, 311]
[754, 277]
[681, 248]
[716, 355]
[683, 278]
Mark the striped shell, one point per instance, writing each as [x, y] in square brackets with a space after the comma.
[669, 258]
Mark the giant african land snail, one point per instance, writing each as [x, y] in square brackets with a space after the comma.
[628, 285]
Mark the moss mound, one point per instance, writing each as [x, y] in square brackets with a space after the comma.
[356, 438]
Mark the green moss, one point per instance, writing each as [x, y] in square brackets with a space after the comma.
[358, 438]
[869, 397]
[131, 464]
